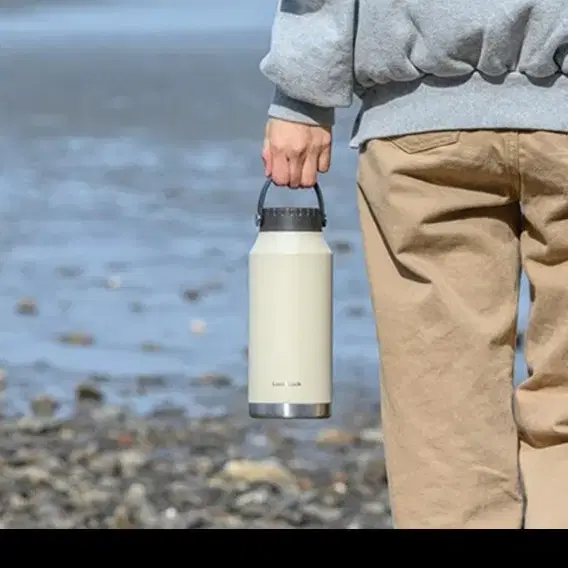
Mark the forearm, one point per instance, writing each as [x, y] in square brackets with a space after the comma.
[310, 61]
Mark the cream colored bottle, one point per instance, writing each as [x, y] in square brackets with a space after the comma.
[290, 314]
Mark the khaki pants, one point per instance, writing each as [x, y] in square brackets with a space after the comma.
[449, 219]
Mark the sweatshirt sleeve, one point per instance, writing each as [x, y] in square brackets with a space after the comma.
[310, 60]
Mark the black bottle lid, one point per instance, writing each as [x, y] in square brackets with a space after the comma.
[291, 219]
[307, 219]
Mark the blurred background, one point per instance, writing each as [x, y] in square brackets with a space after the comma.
[130, 142]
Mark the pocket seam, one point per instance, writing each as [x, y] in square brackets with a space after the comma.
[416, 143]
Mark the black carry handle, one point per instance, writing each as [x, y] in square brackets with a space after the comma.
[262, 199]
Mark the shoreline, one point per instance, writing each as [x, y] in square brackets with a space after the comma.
[104, 467]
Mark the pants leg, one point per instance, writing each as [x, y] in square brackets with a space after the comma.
[542, 401]
[440, 227]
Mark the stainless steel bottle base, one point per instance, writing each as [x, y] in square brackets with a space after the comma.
[287, 410]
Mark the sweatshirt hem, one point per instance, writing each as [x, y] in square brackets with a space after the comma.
[512, 102]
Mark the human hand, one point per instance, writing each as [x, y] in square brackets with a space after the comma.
[294, 153]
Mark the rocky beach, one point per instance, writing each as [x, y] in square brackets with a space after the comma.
[103, 467]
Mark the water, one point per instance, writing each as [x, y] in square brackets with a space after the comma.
[130, 142]
[91, 20]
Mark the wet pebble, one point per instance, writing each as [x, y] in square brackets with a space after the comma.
[371, 435]
[151, 381]
[356, 311]
[341, 247]
[212, 380]
[69, 271]
[44, 406]
[77, 338]
[88, 392]
[27, 307]
[322, 514]
[335, 437]
[136, 307]
[191, 295]
[250, 471]
[100, 378]
[197, 326]
[112, 469]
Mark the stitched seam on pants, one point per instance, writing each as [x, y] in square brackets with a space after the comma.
[512, 146]
[518, 177]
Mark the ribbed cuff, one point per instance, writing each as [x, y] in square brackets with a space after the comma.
[286, 108]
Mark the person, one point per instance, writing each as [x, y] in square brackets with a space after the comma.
[462, 183]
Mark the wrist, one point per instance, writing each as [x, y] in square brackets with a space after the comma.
[287, 108]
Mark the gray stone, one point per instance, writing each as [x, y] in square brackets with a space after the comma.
[86, 392]
[44, 406]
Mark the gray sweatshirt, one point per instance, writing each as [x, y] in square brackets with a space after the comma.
[421, 65]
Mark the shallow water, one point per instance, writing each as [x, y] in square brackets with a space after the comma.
[130, 143]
